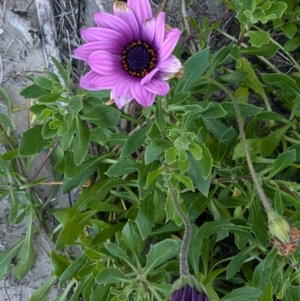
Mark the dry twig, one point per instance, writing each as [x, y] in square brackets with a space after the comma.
[185, 19]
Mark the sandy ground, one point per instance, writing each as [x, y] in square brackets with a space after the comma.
[21, 53]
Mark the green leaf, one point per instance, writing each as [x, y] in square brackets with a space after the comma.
[226, 143]
[34, 91]
[103, 207]
[72, 229]
[111, 275]
[62, 71]
[6, 99]
[42, 292]
[283, 161]
[99, 190]
[292, 44]
[81, 141]
[282, 81]
[100, 293]
[160, 253]
[251, 80]
[155, 149]
[76, 104]
[289, 29]
[66, 291]
[135, 141]
[197, 176]
[10, 155]
[159, 116]
[67, 166]
[106, 138]
[258, 221]
[237, 261]
[266, 50]
[271, 116]
[277, 8]
[206, 161]
[259, 38]
[143, 173]
[59, 263]
[68, 135]
[253, 147]
[87, 168]
[103, 116]
[43, 82]
[247, 110]
[243, 294]
[145, 217]
[72, 269]
[26, 254]
[132, 239]
[193, 70]
[122, 167]
[270, 142]
[49, 98]
[7, 256]
[6, 122]
[105, 234]
[171, 155]
[220, 57]
[47, 132]
[32, 141]
[186, 181]
[116, 251]
[152, 176]
[268, 294]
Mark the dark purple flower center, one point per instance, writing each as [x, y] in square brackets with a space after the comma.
[138, 59]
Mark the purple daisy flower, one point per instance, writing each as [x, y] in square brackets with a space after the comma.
[188, 293]
[130, 53]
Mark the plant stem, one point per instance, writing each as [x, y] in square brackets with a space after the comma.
[184, 267]
[240, 121]
[263, 59]
[10, 143]
[44, 161]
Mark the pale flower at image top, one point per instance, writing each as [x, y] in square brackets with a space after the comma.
[130, 53]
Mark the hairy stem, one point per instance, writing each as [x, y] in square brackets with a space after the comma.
[184, 267]
[240, 120]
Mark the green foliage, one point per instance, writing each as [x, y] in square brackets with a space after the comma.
[124, 222]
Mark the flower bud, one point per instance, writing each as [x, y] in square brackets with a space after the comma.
[188, 288]
[279, 227]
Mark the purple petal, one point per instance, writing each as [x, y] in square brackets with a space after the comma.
[102, 82]
[159, 30]
[171, 65]
[148, 29]
[141, 95]
[84, 51]
[124, 12]
[94, 34]
[104, 63]
[85, 81]
[121, 92]
[149, 76]
[169, 44]
[157, 86]
[110, 21]
[141, 9]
